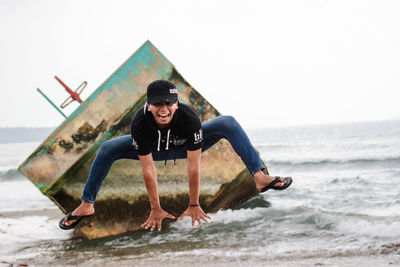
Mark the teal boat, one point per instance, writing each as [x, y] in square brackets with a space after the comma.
[59, 167]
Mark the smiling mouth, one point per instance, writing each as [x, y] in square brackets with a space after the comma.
[164, 116]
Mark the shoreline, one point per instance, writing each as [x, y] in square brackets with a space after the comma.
[339, 261]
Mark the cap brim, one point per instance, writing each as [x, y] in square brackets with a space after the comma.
[159, 99]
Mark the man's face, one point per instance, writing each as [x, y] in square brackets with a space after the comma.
[163, 112]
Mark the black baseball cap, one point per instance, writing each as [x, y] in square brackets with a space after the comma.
[160, 91]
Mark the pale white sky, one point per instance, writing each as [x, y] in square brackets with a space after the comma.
[268, 63]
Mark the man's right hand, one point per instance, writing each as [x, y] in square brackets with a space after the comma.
[155, 219]
[197, 215]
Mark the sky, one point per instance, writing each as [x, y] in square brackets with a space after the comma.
[267, 63]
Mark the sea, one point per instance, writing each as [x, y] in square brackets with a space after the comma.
[343, 209]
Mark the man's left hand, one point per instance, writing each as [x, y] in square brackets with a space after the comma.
[196, 213]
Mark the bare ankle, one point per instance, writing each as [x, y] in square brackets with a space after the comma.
[258, 174]
[84, 208]
[86, 204]
[261, 179]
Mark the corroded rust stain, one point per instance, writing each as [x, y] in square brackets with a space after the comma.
[67, 145]
[86, 134]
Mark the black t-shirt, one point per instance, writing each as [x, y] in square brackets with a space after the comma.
[184, 130]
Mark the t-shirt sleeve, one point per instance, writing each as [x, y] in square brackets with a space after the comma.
[195, 135]
[142, 145]
[195, 141]
[139, 142]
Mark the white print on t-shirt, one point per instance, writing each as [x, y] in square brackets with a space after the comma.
[198, 137]
[178, 142]
[134, 144]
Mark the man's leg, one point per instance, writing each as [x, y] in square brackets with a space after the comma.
[227, 127]
[110, 151]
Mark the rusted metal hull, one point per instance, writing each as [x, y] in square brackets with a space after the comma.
[59, 167]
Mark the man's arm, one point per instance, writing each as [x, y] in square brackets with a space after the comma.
[194, 210]
[157, 214]
[193, 166]
[150, 180]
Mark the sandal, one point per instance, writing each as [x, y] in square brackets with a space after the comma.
[71, 217]
[271, 185]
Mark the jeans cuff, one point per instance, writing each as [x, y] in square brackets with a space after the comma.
[260, 167]
[87, 200]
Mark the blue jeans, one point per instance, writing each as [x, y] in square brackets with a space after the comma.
[213, 130]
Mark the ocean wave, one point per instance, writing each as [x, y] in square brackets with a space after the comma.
[370, 229]
[388, 161]
[340, 219]
[10, 175]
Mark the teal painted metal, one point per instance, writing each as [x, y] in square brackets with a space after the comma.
[51, 102]
[40, 186]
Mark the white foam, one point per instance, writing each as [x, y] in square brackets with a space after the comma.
[23, 231]
[370, 229]
[222, 217]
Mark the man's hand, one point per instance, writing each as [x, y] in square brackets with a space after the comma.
[196, 213]
[155, 219]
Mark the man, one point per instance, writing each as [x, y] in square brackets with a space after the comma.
[166, 129]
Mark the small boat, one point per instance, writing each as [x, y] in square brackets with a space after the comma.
[59, 167]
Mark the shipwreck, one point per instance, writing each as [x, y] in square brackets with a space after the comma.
[59, 167]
